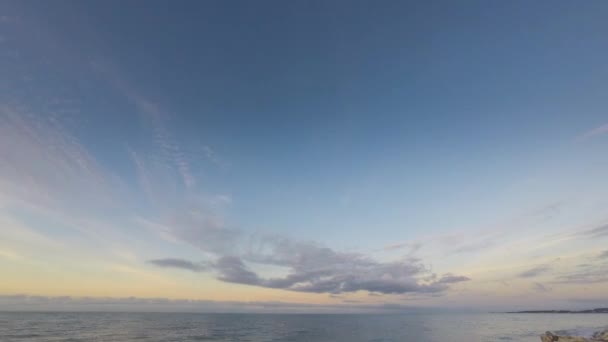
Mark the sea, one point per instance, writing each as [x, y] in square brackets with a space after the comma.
[418, 327]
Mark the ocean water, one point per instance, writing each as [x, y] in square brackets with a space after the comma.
[305, 328]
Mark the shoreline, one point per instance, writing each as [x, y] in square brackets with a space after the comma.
[598, 336]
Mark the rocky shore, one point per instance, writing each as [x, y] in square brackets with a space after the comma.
[597, 337]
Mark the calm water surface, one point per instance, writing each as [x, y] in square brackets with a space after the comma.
[311, 328]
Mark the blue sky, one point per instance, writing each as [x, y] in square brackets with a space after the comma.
[467, 139]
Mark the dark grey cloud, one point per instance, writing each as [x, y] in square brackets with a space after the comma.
[450, 279]
[232, 269]
[358, 275]
[310, 267]
[205, 231]
[179, 263]
[535, 271]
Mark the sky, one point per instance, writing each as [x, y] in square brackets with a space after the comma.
[303, 156]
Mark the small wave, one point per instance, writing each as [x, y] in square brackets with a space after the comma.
[23, 335]
[583, 332]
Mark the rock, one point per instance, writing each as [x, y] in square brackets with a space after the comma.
[548, 337]
[601, 335]
[597, 337]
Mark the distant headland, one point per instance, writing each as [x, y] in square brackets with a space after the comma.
[597, 310]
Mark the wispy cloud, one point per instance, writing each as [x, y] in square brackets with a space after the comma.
[47, 173]
[474, 246]
[212, 156]
[594, 233]
[143, 175]
[167, 143]
[179, 263]
[548, 211]
[588, 275]
[15, 233]
[396, 246]
[538, 287]
[603, 129]
[535, 271]
[41, 159]
[410, 247]
[156, 117]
